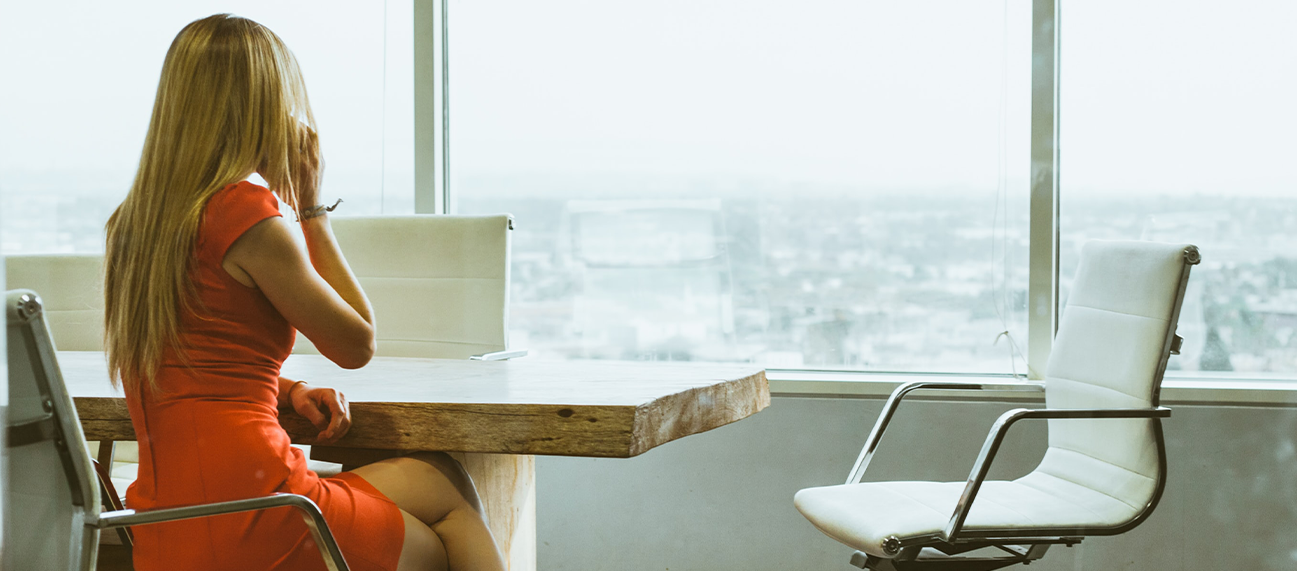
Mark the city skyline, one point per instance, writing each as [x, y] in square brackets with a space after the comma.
[798, 279]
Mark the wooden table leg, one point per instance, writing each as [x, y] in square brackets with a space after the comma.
[506, 483]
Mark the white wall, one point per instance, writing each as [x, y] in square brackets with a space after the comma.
[723, 499]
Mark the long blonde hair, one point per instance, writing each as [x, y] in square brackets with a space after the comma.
[230, 102]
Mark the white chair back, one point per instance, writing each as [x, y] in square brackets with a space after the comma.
[50, 491]
[71, 286]
[439, 284]
[1111, 350]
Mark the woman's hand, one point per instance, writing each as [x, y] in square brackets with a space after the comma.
[309, 170]
[326, 408]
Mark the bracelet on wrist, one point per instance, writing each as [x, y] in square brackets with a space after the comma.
[315, 211]
[289, 394]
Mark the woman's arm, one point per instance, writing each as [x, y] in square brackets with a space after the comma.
[315, 291]
[342, 328]
[326, 408]
[286, 387]
[327, 259]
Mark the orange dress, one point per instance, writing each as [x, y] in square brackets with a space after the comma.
[211, 434]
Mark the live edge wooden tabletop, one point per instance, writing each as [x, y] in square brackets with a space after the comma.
[526, 406]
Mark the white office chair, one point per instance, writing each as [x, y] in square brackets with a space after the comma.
[439, 284]
[1105, 468]
[71, 287]
[51, 488]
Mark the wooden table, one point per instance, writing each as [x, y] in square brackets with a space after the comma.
[493, 415]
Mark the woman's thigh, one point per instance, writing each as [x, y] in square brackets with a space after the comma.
[422, 550]
[426, 485]
[435, 490]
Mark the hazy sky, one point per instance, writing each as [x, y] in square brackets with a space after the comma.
[80, 77]
[871, 93]
[1158, 96]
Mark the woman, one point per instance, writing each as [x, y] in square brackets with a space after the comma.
[205, 285]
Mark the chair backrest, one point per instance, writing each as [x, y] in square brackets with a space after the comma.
[1112, 346]
[439, 284]
[71, 286]
[50, 492]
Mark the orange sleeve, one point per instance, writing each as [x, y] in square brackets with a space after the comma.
[230, 213]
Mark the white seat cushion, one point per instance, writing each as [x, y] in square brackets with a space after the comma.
[863, 516]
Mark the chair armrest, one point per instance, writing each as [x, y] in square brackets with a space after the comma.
[329, 550]
[500, 355]
[893, 401]
[1001, 427]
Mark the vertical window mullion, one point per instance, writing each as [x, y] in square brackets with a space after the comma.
[447, 204]
[1042, 295]
[431, 133]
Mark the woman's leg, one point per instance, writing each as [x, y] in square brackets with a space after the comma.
[435, 490]
[422, 550]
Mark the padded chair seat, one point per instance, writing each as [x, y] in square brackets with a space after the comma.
[864, 515]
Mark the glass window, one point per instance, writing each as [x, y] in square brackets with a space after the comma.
[80, 79]
[839, 185]
[1176, 126]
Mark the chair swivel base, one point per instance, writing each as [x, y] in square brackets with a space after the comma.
[934, 558]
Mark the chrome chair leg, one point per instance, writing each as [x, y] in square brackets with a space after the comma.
[957, 559]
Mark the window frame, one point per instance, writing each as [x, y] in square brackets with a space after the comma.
[431, 107]
[434, 195]
[1042, 264]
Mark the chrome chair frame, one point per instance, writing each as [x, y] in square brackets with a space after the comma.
[60, 425]
[333, 559]
[1023, 546]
